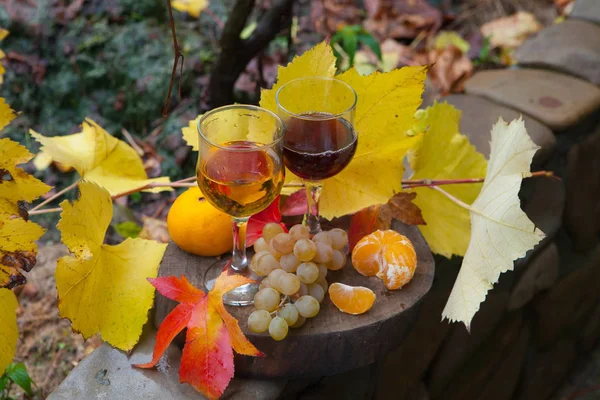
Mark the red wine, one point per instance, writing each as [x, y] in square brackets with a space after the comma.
[316, 149]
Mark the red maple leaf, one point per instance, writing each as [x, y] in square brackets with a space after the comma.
[295, 204]
[258, 221]
[212, 333]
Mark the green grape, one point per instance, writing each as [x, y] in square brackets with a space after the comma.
[265, 263]
[283, 243]
[299, 232]
[289, 262]
[323, 283]
[322, 237]
[339, 238]
[324, 253]
[301, 320]
[259, 320]
[305, 249]
[322, 271]
[307, 306]
[274, 252]
[278, 328]
[274, 278]
[265, 283]
[303, 291]
[289, 283]
[315, 290]
[289, 312]
[254, 262]
[308, 272]
[261, 245]
[266, 299]
[270, 230]
[338, 260]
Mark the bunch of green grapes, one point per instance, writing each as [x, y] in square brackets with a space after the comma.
[294, 268]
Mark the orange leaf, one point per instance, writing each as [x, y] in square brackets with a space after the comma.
[224, 284]
[207, 360]
[403, 209]
[212, 333]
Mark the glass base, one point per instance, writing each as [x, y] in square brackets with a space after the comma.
[240, 296]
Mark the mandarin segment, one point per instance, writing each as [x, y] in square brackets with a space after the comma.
[388, 255]
[353, 300]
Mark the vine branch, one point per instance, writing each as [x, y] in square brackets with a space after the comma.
[178, 56]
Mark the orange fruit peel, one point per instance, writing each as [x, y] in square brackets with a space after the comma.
[353, 300]
[197, 227]
[388, 255]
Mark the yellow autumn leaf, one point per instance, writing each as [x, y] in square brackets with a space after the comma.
[190, 133]
[192, 7]
[384, 112]
[15, 184]
[6, 114]
[102, 288]
[501, 231]
[9, 332]
[17, 248]
[446, 154]
[101, 158]
[3, 34]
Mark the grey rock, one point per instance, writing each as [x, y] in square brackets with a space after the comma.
[108, 374]
[586, 9]
[572, 47]
[479, 115]
[557, 100]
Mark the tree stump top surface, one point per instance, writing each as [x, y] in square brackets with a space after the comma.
[332, 342]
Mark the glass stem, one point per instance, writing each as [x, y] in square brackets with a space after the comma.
[239, 261]
[313, 192]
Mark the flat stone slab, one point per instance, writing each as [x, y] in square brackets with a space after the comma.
[555, 99]
[586, 9]
[572, 46]
[479, 115]
[107, 374]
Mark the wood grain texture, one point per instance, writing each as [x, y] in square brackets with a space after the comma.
[332, 342]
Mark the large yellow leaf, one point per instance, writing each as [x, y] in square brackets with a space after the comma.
[17, 248]
[384, 112]
[100, 158]
[101, 288]
[501, 232]
[190, 133]
[9, 332]
[6, 113]
[15, 184]
[446, 154]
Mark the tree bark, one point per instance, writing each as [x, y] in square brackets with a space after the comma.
[236, 53]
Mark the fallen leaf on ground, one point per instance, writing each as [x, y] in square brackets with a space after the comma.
[501, 232]
[510, 32]
[446, 154]
[192, 7]
[259, 220]
[99, 157]
[384, 112]
[448, 38]
[401, 19]
[329, 16]
[212, 333]
[154, 229]
[102, 288]
[9, 331]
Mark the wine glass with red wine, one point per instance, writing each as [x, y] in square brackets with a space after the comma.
[319, 140]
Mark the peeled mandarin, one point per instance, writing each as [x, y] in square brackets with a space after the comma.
[351, 299]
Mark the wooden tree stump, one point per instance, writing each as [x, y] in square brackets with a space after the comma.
[332, 342]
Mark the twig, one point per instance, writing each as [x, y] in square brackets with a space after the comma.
[45, 211]
[451, 197]
[56, 195]
[409, 184]
[132, 142]
[178, 56]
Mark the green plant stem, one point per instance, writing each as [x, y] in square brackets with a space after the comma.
[451, 197]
